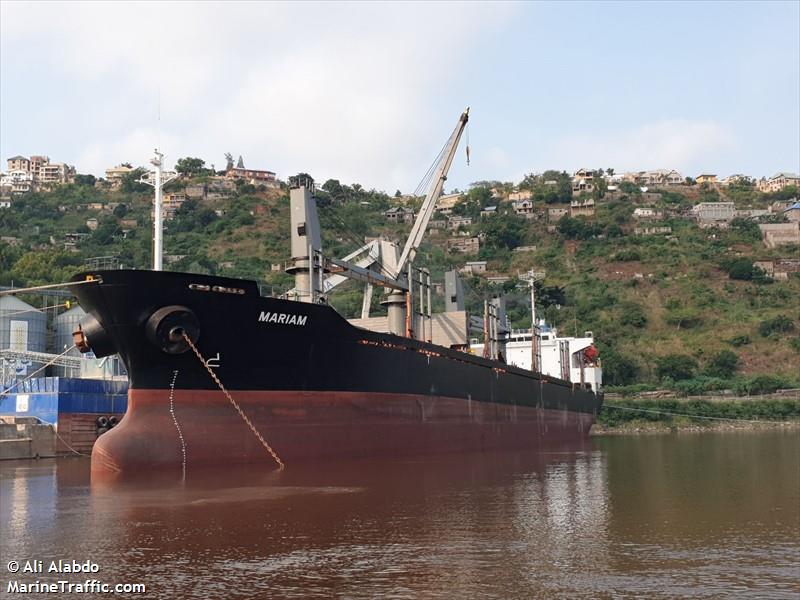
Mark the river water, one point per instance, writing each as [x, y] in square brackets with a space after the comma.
[702, 515]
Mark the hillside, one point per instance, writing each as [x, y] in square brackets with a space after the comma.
[673, 307]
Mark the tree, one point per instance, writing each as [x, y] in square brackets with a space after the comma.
[632, 314]
[723, 364]
[675, 367]
[300, 179]
[619, 369]
[120, 210]
[504, 231]
[130, 181]
[190, 166]
[89, 180]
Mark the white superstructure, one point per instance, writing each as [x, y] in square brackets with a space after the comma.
[562, 357]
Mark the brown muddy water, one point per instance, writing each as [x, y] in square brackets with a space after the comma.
[708, 515]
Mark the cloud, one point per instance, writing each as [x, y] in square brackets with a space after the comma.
[673, 143]
[346, 90]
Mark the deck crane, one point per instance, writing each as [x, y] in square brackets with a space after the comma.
[310, 267]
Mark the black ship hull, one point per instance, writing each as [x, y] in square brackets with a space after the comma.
[312, 384]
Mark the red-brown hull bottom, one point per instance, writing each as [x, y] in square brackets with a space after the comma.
[302, 426]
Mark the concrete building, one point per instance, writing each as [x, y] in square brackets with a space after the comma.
[489, 211]
[520, 195]
[448, 201]
[584, 208]
[711, 213]
[399, 214]
[556, 213]
[583, 181]
[115, 175]
[16, 182]
[647, 212]
[777, 182]
[779, 268]
[523, 208]
[792, 213]
[456, 221]
[705, 178]
[43, 172]
[464, 245]
[652, 230]
[252, 176]
[779, 234]
[474, 267]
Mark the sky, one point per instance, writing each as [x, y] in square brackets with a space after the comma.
[369, 92]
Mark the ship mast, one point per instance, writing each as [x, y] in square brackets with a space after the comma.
[532, 277]
[157, 179]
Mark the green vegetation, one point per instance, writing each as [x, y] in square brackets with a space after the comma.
[656, 411]
[686, 311]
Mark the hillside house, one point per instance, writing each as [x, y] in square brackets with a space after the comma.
[647, 212]
[474, 268]
[705, 178]
[399, 214]
[523, 208]
[520, 195]
[16, 182]
[464, 245]
[448, 201]
[792, 213]
[583, 181]
[116, 175]
[252, 176]
[489, 211]
[779, 268]
[775, 183]
[43, 172]
[713, 213]
[779, 234]
[578, 208]
[92, 223]
[456, 221]
[652, 230]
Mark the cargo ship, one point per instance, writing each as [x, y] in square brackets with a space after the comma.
[221, 375]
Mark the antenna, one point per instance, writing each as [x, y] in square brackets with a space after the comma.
[157, 181]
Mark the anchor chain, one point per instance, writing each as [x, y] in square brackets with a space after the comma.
[235, 404]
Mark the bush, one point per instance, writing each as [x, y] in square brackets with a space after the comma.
[676, 367]
[739, 340]
[761, 384]
[723, 364]
[779, 324]
[627, 255]
[700, 385]
[794, 344]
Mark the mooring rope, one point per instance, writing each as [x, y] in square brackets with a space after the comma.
[55, 430]
[681, 414]
[36, 288]
[247, 421]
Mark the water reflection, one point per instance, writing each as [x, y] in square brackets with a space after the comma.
[656, 517]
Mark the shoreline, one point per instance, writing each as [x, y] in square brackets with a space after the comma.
[659, 427]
